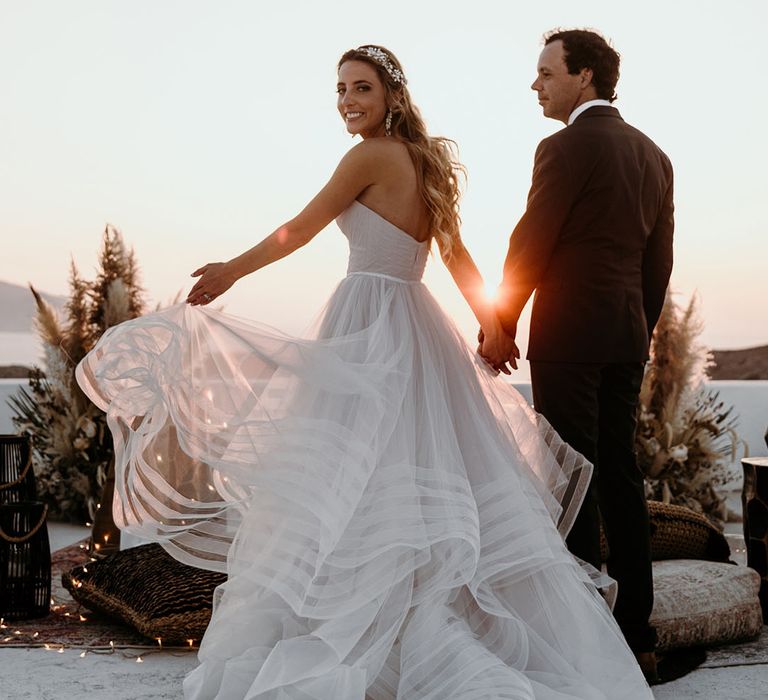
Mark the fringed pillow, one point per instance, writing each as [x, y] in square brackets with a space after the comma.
[149, 590]
[678, 532]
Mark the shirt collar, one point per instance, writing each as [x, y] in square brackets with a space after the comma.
[584, 106]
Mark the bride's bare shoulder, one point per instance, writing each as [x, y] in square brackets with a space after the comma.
[382, 153]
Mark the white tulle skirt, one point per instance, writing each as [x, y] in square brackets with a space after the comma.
[390, 515]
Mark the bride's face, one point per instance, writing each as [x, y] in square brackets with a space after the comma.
[362, 101]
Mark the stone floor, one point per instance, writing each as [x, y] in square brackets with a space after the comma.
[36, 674]
[39, 674]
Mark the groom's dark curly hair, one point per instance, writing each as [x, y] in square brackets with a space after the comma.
[587, 49]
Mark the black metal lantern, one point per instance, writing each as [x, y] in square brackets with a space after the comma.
[25, 560]
[17, 480]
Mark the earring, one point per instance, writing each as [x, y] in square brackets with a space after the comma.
[388, 123]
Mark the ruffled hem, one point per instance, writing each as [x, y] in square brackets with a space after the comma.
[388, 515]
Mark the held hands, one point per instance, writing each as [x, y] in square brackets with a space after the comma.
[497, 348]
[215, 279]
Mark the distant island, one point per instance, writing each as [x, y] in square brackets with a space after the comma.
[14, 372]
[751, 363]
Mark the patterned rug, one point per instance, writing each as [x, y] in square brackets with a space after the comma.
[69, 624]
[750, 653]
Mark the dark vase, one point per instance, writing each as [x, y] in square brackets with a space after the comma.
[105, 535]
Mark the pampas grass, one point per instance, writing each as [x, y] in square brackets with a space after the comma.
[686, 437]
[72, 447]
[46, 323]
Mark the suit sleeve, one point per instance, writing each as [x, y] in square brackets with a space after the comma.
[657, 260]
[534, 238]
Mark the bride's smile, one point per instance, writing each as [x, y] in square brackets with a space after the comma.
[361, 99]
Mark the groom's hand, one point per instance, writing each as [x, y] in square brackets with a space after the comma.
[498, 350]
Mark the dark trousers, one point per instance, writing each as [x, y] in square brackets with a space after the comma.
[594, 409]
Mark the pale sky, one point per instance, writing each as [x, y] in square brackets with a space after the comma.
[199, 127]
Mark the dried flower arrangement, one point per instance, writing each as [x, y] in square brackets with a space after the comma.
[71, 444]
[686, 436]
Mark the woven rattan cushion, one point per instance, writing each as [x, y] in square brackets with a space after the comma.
[149, 590]
[704, 603]
[678, 532]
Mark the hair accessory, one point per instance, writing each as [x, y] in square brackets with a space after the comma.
[384, 61]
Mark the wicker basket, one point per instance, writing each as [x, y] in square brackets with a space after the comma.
[17, 479]
[25, 561]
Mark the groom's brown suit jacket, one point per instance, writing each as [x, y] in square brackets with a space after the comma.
[595, 243]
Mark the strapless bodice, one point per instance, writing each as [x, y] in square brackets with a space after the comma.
[378, 247]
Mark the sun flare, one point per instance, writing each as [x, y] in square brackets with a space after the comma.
[491, 291]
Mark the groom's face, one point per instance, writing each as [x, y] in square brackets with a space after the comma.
[559, 92]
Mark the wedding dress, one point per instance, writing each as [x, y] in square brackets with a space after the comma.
[389, 513]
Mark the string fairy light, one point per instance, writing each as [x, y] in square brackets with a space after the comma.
[127, 651]
[133, 652]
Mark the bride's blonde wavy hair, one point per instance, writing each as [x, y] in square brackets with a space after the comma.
[439, 172]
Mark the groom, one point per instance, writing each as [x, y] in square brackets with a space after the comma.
[595, 244]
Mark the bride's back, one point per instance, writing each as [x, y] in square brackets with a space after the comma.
[396, 195]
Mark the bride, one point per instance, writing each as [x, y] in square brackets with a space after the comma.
[390, 514]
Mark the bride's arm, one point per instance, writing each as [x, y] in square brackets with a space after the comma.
[470, 283]
[361, 167]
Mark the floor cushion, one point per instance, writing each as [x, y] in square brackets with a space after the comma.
[678, 532]
[700, 603]
[149, 590]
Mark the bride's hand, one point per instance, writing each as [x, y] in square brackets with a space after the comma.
[497, 348]
[215, 279]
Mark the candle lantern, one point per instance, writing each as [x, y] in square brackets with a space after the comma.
[17, 479]
[25, 560]
[25, 554]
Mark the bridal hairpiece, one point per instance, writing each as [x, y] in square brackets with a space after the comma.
[384, 61]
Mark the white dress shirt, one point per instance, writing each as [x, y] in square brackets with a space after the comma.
[584, 106]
